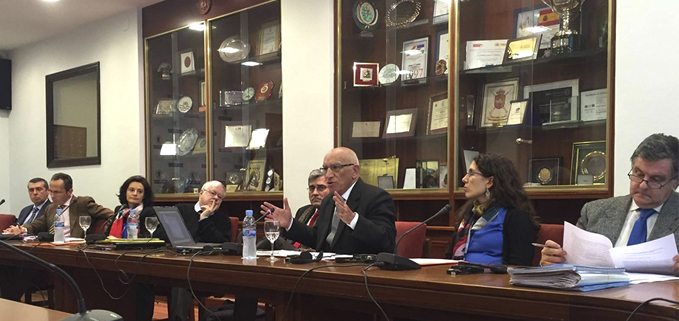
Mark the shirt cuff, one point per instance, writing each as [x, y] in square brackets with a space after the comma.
[290, 226]
[353, 221]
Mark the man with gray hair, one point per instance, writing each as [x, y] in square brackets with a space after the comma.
[649, 212]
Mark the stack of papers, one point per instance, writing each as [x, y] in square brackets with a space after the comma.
[569, 277]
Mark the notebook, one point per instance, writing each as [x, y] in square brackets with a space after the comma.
[176, 230]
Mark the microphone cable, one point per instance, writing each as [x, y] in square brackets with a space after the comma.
[365, 280]
[188, 279]
[647, 302]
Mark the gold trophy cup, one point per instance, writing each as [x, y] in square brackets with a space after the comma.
[565, 40]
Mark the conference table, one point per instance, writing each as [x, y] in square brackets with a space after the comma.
[336, 291]
[18, 311]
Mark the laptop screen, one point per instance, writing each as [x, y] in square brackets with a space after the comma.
[174, 225]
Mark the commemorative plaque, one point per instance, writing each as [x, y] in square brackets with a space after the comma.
[264, 91]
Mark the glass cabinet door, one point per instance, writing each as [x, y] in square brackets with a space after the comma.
[176, 150]
[393, 70]
[532, 85]
[246, 99]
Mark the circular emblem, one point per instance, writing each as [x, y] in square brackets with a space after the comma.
[594, 164]
[204, 6]
[248, 93]
[365, 15]
[187, 62]
[184, 104]
[264, 88]
[388, 74]
[544, 175]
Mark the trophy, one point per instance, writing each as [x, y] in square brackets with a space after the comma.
[565, 40]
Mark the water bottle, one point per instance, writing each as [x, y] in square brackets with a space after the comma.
[249, 236]
[59, 226]
[132, 225]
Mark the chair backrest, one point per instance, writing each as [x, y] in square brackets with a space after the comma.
[6, 220]
[98, 226]
[234, 228]
[552, 232]
[413, 244]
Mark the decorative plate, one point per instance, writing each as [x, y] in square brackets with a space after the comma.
[186, 141]
[388, 74]
[248, 93]
[233, 50]
[184, 104]
[594, 164]
[402, 13]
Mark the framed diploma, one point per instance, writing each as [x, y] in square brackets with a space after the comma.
[534, 20]
[593, 105]
[496, 102]
[235, 135]
[269, 37]
[258, 138]
[400, 123]
[521, 49]
[517, 112]
[589, 158]
[544, 171]
[365, 74]
[556, 102]
[442, 53]
[414, 59]
[365, 129]
[187, 62]
[437, 119]
[484, 53]
[254, 178]
[441, 9]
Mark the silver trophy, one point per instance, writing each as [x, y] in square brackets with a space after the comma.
[565, 40]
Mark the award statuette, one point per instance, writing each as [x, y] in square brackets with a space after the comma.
[365, 16]
[565, 40]
[264, 91]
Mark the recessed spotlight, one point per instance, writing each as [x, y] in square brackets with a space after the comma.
[198, 26]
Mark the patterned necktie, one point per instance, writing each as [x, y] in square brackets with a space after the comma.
[31, 216]
[639, 230]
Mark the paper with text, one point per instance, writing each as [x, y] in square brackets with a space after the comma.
[586, 248]
[648, 257]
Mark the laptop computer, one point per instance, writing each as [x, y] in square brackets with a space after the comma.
[176, 230]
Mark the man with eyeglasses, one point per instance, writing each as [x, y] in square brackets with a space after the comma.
[356, 218]
[651, 211]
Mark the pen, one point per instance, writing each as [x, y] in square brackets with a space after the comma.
[539, 245]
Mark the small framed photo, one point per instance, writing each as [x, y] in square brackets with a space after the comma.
[365, 129]
[385, 182]
[254, 177]
[544, 171]
[400, 123]
[522, 49]
[187, 62]
[517, 112]
[556, 102]
[365, 74]
[589, 158]
[437, 118]
[442, 53]
[496, 102]
[534, 20]
[269, 37]
[165, 106]
[441, 10]
[414, 59]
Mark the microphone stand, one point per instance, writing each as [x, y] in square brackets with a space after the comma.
[395, 262]
[83, 314]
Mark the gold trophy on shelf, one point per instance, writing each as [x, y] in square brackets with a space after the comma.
[565, 40]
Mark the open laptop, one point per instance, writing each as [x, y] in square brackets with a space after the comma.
[176, 230]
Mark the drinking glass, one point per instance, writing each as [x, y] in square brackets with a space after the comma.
[85, 222]
[272, 231]
[151, 223]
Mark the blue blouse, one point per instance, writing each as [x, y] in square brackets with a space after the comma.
[485, 245]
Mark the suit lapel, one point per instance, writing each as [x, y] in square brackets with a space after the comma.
[615, 221]
[73, 214]
[668, 218]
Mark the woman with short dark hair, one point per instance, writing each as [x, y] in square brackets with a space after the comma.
[135, 193]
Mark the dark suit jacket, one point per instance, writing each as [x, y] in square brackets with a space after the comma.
[303, 215]
[143, 232]
[80, 205]
[214, 229]
[27, 210]
[375, 229]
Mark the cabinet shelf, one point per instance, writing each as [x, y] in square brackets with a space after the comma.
[585, 56]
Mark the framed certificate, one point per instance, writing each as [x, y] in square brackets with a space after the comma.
[496, 102]
[400, 123]
[187, 62]
[414, 59]
[235, 135]
[521, 49]
[441, 9]
[365, 74]
[254, 178]
[593, 105]
[556, 102]
[364, 129]
[442, 53]
[544, 171]
[437, 118]
[517, 112]
[484, 53]
[589, 158]
[269, 37]
[534, 20]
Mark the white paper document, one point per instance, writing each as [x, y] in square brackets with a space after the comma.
[587, 248]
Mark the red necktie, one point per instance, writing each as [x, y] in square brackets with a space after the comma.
[311, 224]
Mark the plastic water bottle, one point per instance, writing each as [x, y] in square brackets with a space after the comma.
[59, 226]
[132, 225]
[249, 236]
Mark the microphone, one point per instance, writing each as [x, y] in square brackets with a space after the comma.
[2, 201]
[83, 314]
[394, 262]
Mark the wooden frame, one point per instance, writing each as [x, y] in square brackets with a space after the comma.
[496, 99]
[396, 122]
[254, 178]
[365, 74]
[438, 114]
[544, 171]
[269, 38]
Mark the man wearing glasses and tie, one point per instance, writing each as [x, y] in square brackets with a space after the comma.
[651, 211]
[355, 218]
[38, 192]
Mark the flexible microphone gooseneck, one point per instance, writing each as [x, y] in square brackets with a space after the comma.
[394, 262]
[2, 201]
[83, 314]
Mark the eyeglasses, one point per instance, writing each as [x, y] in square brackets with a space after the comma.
[335, 167]
[319, 188]
[471, 173]
[651, 183]
[213, 193]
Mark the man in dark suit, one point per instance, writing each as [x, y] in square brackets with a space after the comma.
[38, 192]
[649, 212]
[356, 218]
[61, 190]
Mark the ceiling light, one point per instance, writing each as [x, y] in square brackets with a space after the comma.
[198, 26]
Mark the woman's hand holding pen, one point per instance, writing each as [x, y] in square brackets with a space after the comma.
[552, 253]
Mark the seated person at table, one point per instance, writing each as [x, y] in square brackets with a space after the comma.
[38, 191]
[61, 190]
[498, 224]
[135, 193]
[649, 212]
[356, 218]
[308, 214]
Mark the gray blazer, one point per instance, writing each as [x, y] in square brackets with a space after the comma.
[607, 216]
